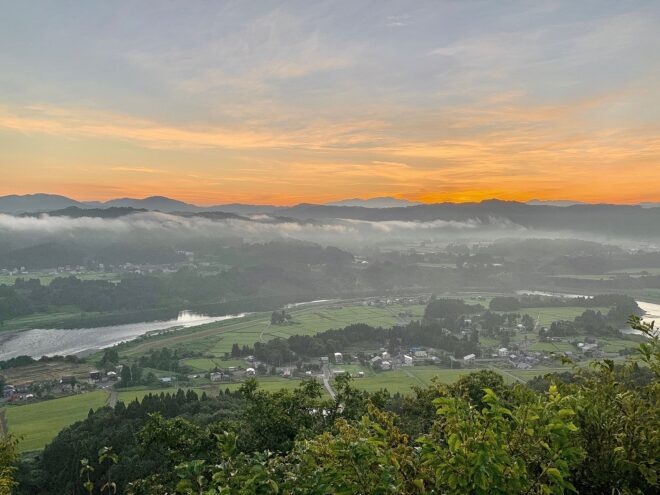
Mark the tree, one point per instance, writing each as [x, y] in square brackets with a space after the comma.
[8, 461]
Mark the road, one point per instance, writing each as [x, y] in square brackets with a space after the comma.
[326, 381]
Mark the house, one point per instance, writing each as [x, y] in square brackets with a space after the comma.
[68, 380]
[385, 365]
[376, 361]
[421, 354]
[325, 360]
[339, 358]
[360, 374]
[217, 377]
[503, 352]
[95, 376]
[8, 391]
[112, 375]
[408, 360]
[469, 359]
[250, 372]
[385, 355]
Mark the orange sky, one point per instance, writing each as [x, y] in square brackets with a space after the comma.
[289, 105]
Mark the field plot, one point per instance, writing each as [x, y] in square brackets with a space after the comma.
[267, 383]
[40, 372]
[402, 380]
[38, 423]
[217, 338]
[553, 347]
[546, 316]
[47, 278]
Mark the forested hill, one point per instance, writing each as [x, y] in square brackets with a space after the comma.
[614, 219]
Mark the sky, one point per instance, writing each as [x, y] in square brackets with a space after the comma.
[287, 102]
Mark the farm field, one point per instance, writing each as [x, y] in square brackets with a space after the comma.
[44, 371]
[546, 316]
[217, 338]
[553, 347]
[38, 423]
[47, 277]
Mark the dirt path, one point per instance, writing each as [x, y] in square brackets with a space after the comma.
[4, 429]
[112, 398]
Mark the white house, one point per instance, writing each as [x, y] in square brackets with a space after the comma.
[408, 360]
[385, 365]
[250, 372]
[503, 352]
[338, 358]
[469, 359]
[385, 355]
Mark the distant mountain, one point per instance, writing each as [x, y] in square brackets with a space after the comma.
[160, 203]
[31, 203]
[241, 209]
[382, 202]
[554, 202]
[650, 205]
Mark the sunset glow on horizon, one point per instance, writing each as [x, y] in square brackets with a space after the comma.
[311, 102]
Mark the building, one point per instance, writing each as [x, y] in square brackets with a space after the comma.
[503, 352]
[339, 359]
[421, 354]
[95, 376]
[325, 360]
[167, 380]
[385, 365]
[376, 361]
[408, 360]
[217, 377]
[469, 359]
[250, 372]
[68, 380]
[385, 355]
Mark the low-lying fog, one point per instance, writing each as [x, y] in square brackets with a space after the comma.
[17, 232]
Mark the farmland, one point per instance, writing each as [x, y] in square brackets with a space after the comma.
[36, 424]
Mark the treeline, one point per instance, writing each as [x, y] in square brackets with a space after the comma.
[19, 361]
[426, 333]
[510, 303]
[590, 323]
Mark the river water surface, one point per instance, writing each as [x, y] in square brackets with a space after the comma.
[49, 342]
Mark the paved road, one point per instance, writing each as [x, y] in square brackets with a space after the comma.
[326, 382]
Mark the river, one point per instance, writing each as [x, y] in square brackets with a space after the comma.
[49, 342]
[652, 312]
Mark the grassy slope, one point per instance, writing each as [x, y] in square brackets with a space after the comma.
[38, 423]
